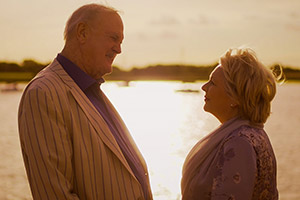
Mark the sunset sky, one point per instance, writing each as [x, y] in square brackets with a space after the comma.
[161, 31]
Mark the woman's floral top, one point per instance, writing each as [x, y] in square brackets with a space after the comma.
[244, 168]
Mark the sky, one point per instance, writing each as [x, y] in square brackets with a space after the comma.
[193, 32]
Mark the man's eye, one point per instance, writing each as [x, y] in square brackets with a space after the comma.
[114, 38]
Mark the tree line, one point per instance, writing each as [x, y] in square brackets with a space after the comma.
[25, 66]
[186, 73]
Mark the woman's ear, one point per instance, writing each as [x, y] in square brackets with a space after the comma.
[234, 103]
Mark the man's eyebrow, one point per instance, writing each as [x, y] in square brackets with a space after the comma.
[115, 35]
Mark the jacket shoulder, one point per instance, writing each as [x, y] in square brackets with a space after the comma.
[49, 78]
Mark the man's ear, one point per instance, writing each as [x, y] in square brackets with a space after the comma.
[82, 32]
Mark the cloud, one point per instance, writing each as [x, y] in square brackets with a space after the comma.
[142, 36]
[294, 21]
[165, 20]
[294, 15]
[293, 27]
[155, 36]
[202, 20]
[167, 35]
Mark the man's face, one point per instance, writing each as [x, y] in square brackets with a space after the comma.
[104, 44]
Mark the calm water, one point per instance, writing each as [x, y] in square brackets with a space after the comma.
[165, 124]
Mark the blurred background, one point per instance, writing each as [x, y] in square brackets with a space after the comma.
[170, 47]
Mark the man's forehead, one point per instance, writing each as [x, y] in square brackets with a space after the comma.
[103, 17]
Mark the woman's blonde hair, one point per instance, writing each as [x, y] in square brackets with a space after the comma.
[250, 83]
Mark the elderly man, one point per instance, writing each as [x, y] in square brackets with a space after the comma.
[74, 143]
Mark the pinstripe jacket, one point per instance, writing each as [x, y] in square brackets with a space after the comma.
[68, 149]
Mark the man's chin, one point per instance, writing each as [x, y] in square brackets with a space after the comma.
[107, 71]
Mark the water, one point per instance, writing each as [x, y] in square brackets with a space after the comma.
[165, 125]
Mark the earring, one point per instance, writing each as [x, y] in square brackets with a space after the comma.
[232, 105]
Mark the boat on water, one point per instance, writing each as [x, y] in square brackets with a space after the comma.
[10, 87]
[188, 90]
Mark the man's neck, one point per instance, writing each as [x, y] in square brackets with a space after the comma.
[71, 52]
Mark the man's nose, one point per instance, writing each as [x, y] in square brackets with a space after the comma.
[117, 48]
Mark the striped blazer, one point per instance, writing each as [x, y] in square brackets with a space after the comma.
[69, 151]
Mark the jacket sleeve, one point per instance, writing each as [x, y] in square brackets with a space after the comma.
[46, 144]
[236, 171]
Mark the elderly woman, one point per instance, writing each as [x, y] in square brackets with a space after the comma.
[236, 161]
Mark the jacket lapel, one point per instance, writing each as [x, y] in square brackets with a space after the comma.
[92, 114]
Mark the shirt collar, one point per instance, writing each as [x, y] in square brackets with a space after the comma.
[83, 80]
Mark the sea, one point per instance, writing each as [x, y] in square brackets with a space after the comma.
[165, 119]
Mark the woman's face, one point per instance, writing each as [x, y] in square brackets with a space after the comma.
[217, 100]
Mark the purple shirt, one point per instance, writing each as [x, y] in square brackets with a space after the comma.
[91, 88]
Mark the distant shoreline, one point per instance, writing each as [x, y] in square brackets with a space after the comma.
[12, 72]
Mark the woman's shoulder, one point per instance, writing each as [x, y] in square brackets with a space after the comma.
[253, 136]
[248, 132]
[241, 139]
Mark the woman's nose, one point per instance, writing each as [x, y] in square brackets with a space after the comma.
[204, 87]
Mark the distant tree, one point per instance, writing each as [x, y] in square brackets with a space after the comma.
[9, 67]
[32, 66]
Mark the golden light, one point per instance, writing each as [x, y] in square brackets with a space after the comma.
[162, 122]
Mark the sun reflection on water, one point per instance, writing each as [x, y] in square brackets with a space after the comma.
[162, 122]
[165, 124]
